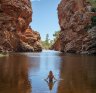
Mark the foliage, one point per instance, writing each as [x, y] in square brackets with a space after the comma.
[93, 18]
[93, 23]
[48, 43]
[93, 2]
[93, 9]
[47, 39]
[56, 35]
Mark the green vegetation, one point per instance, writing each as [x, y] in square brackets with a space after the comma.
[93, 18]
[93, 2]
[56, 35]
[48, 43]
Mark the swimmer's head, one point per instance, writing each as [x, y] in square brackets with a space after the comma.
[50, 72]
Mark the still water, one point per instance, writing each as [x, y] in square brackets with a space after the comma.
[25, 73]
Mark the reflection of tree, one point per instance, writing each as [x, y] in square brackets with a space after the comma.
[78, 74]
[14, 75]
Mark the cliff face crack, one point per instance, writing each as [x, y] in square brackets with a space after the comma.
[15, 16]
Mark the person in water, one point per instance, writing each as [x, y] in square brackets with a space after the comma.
[50, 84]
[51, 77]
[50, 80]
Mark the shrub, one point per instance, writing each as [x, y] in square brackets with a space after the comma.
[93, 19]
[93, 9]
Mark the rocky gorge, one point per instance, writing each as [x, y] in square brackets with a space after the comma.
[77, 35]
[15, 33]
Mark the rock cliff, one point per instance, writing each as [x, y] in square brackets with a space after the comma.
[15, 16]
[32, 39]
[56, 46]
[77, 33]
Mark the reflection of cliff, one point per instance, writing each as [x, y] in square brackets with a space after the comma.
[78, 74]
[14, 75]
[15, 16]
[75, 20]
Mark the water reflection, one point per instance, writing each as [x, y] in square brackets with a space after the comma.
[79, 74]
[25, 73]
[48, 60]
[14, 75]
[50, 84]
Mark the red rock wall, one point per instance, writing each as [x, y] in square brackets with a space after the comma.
[15, 16]
[56, 46]
[31, 38]
[73, 19]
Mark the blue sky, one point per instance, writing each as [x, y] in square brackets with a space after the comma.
[44, 18]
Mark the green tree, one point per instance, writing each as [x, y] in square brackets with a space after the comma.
[46, 43]
[93, 2]
[47, 39]
[56, 35]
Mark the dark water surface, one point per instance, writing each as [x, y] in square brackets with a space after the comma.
[25, 73]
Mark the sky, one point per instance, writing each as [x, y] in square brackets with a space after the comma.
[45, 18]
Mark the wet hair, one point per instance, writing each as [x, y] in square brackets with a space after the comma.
[50, 72]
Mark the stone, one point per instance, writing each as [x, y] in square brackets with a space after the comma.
[56, 46]
[74, 19]
[32, 38]
[15, 17]
[24, 47]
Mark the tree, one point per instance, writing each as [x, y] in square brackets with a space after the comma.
[56, 35]
[93, 2]
[47, 39]
[46, 42]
